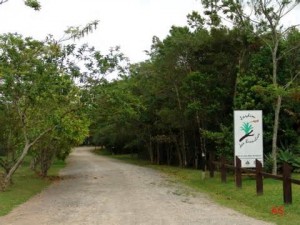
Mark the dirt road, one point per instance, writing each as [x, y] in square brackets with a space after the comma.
[96, 190]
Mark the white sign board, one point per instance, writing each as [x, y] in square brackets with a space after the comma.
[248, 137]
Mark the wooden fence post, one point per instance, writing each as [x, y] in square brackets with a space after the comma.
[211, 164]
[259, 178]
[238, 172]
[287, 184]
[223, 170]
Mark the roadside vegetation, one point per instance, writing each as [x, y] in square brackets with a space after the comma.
[176, 108]
[44, 97]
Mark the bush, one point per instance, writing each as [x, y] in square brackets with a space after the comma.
[268, 163]
[290, 158]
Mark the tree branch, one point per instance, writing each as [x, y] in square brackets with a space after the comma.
[23, 121]
[291, 81]
[3, 1]
[287, 51]
[41, 135]
[290, 9]
[78, 32]
[290, 28]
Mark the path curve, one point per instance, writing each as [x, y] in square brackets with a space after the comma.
[96, 190]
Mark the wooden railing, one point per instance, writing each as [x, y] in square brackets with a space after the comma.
[259, 175]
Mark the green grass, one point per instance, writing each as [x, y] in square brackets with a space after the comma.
[26, 184]
[243, 200]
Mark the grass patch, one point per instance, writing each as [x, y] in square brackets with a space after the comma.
[26, 184]
[243, 200]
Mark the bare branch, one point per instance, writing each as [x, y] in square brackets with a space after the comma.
[79, 32]
[290, 9]
[3, 1]
[287, 51]
[291, 81]
[290, 28]
[41, 135]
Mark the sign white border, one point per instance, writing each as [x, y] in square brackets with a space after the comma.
[248, 137]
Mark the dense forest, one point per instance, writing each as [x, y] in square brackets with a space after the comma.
[177, 107]
[174, 108]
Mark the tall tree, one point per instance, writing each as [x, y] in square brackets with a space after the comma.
[34, 86]
[265, 21]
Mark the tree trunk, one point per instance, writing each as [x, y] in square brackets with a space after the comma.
[183, 157]
[34, 162]
[45, 161]
[157, 154]
[275, 134]
[150, 150]
[202, 143]
[7, 179]
[239, 73]
[179, 154]
[28, 145]
[169, 154]
[5, 165]
[183, 148]
[277, 106]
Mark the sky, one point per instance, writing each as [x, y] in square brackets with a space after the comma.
[130, 24]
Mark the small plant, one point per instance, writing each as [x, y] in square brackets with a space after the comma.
[268, 163]
[290, 158]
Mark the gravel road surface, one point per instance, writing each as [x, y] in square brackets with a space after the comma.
[95, 190]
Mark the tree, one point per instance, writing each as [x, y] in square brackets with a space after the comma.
[37, 89]
[173, 61]
[183, 89]
[71, 131]
[266, 23]
[9, 138]
[115, 115]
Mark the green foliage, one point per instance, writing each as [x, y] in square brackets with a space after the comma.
[223, 141]
[115, 114]
[41, 111]
[188, 88]
[268, 162]
[266, 23]
[30, 3]
[195, 20]
[285, 156]
[79, 32]
[33, 4]
[178, 104]
[290, 158]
